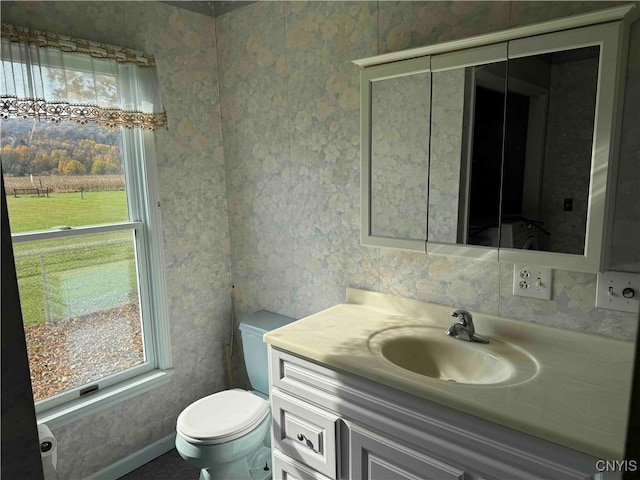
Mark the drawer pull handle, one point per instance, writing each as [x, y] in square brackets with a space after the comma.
[309, 443]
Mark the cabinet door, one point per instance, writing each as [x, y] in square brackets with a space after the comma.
[395, 124]
[373, 457]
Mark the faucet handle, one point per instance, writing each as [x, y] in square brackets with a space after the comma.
[463, 329]
[464, 317]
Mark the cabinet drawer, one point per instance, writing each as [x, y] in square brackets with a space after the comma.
[304, 432]
[285, 468]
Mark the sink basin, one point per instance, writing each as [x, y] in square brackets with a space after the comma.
[429, 352]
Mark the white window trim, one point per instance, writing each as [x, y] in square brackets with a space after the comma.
[103, 399]
[145, 180]
[142, 188]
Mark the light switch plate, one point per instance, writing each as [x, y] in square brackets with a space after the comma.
[532, 281]
[618, 291]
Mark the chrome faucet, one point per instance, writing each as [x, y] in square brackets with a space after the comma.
[463, 328]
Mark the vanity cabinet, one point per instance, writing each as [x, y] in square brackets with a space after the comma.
[330, 424]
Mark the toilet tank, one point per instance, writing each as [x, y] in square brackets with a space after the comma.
[252, 328]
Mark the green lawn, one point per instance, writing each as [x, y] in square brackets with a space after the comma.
[72, 276]
[29, 212]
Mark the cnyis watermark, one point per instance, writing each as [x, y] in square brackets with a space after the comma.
[617, 465]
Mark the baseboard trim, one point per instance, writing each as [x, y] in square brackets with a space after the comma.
[135, 460]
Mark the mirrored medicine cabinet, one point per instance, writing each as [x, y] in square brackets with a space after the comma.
[500, 147]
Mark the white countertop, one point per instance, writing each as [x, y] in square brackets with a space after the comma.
[579, 398]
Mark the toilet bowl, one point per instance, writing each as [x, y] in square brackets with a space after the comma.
[227, 435]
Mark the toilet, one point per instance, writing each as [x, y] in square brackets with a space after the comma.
[227, 435]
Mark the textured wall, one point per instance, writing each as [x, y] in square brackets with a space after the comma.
[192, 191]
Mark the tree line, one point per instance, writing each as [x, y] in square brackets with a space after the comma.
[40, 148]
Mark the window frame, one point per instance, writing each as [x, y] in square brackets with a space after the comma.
[143, 202]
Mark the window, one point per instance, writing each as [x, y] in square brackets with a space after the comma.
[84, 214]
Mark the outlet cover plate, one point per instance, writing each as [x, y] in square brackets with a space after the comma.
[532, 281]
[609, 291]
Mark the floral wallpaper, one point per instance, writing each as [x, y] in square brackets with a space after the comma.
[259, 177]
[292, 151]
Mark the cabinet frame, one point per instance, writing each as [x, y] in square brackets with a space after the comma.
[607, 29]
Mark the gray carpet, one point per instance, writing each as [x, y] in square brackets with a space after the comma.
[169, 466]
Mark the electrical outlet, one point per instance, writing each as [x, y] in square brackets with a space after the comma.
[618, 291]
[532, 281]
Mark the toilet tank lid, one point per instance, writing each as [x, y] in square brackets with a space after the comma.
[263, 321]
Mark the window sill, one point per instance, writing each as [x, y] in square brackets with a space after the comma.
[87, 405]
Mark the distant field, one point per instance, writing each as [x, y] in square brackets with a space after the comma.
[54, 275]
[66, 183]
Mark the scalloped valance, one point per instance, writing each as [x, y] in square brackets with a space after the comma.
[45, 76]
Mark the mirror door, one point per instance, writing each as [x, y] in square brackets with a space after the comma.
[558, 171]
[396, 119]
[466, 151]
[548, 138]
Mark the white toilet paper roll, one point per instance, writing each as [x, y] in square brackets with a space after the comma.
[48, 451]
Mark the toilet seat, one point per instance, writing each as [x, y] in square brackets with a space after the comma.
[221, 417]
